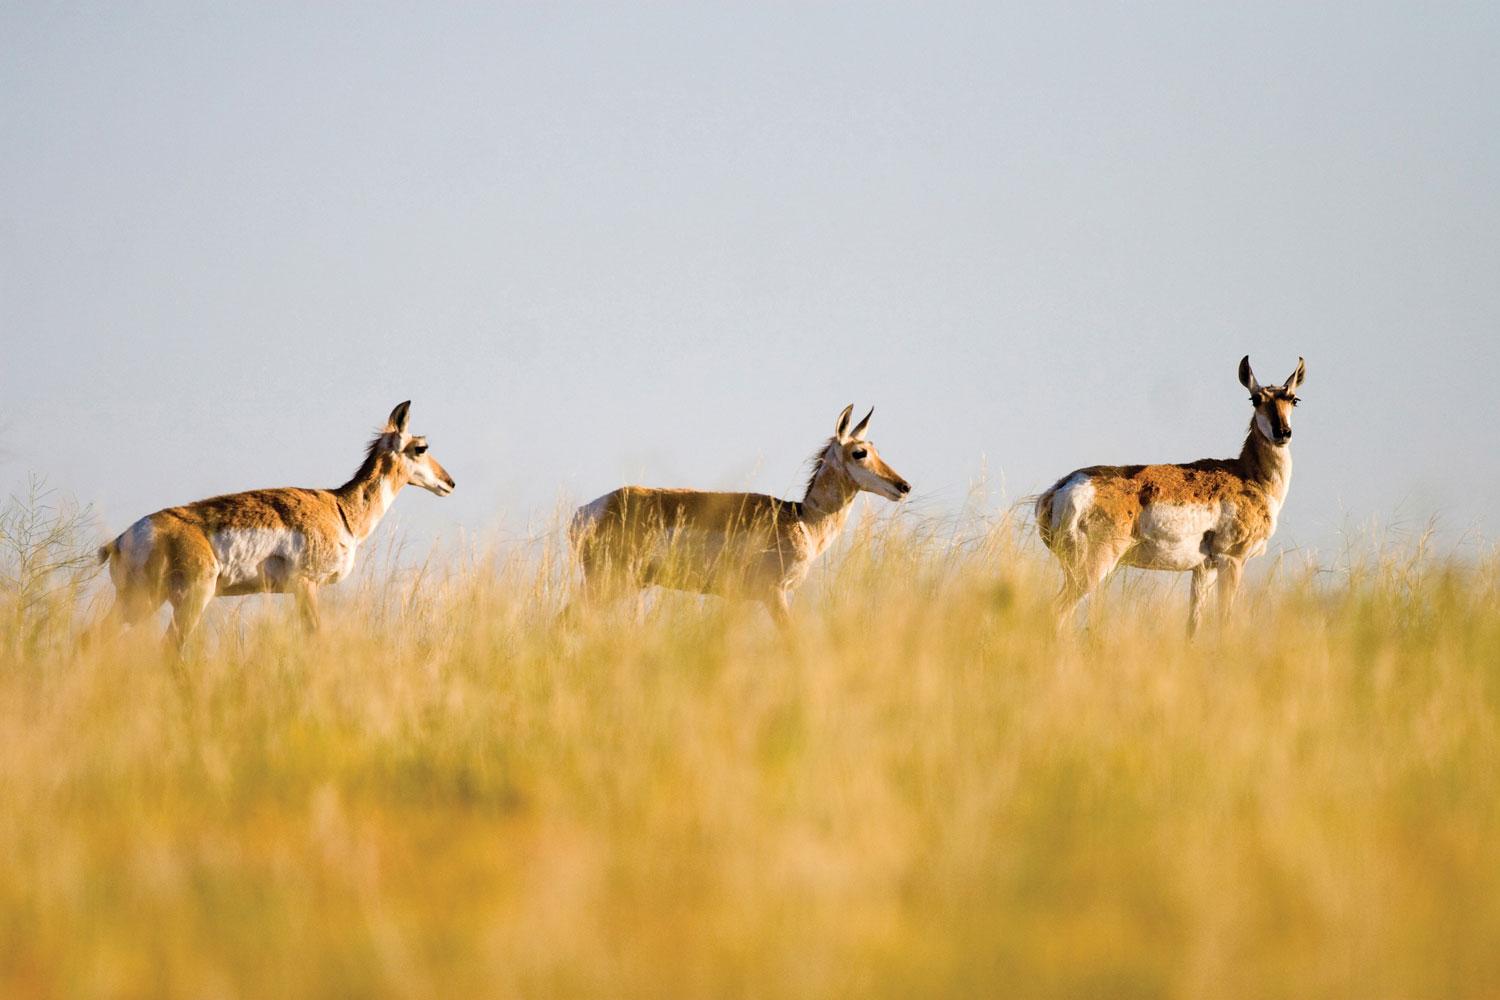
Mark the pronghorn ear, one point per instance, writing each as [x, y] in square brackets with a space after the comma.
[399, 417]
[1247, 377]
[841, 429]
[1297, 376]
[858, 434]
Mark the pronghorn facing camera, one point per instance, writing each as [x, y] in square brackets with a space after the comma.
[278, 541]
[1206, 517]
[745, 545]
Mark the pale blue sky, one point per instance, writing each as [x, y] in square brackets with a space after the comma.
[600, 244]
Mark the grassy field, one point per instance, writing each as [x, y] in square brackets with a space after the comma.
[446, 793]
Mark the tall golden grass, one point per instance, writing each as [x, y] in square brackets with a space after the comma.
[447, 792]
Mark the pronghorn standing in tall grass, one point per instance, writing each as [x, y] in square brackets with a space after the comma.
[279, 541]
[745, 545]
[1206, 517]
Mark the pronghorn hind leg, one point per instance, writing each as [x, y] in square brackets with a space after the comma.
[1065, 604]
[106, 629]
[190, 578]
[131, 607]
[1083, 574]
[1204, 575]
[188, 605]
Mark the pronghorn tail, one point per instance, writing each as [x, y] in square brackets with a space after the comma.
[104, 552]
[1041, 512]
[1033, 503]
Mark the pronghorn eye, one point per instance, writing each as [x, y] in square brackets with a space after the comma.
[1295, 400]
[858, 453]
[419, 449]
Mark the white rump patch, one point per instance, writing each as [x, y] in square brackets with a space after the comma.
[1071, 501]
[242, 551]
[135, 544]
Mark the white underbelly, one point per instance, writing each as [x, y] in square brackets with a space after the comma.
[243, 553]
[1172, 537]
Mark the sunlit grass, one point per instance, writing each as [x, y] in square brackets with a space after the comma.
[448, 793]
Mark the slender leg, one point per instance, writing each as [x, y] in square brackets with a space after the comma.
[306, 594]
[1229, 583]
[601, 596]
[106, 629]
[1203, 581]
[1085, 575]
[1065, 604]
[132, 605]
[577, 605]
[187, 608]
[779, 605]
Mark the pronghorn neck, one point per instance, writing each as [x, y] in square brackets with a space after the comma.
[364, 499]
[1266, 463]
[830, 492]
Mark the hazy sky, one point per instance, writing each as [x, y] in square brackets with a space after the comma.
[668, 244]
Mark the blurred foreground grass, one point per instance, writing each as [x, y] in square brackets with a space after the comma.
[446, 793]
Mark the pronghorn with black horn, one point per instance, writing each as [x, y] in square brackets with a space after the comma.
[1206, 517]
[277, 541]
[745, 545]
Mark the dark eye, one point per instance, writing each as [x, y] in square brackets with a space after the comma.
[858, 453]
[1295, 401]
[419, 449]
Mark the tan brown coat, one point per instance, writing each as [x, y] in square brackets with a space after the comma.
[744, 545]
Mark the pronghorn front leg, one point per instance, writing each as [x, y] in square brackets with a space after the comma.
[306, 594]
[1230, 570]
[1204, 575]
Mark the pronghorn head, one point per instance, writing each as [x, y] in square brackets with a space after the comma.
[856, 458]
[415, 462]
[1273, 403]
